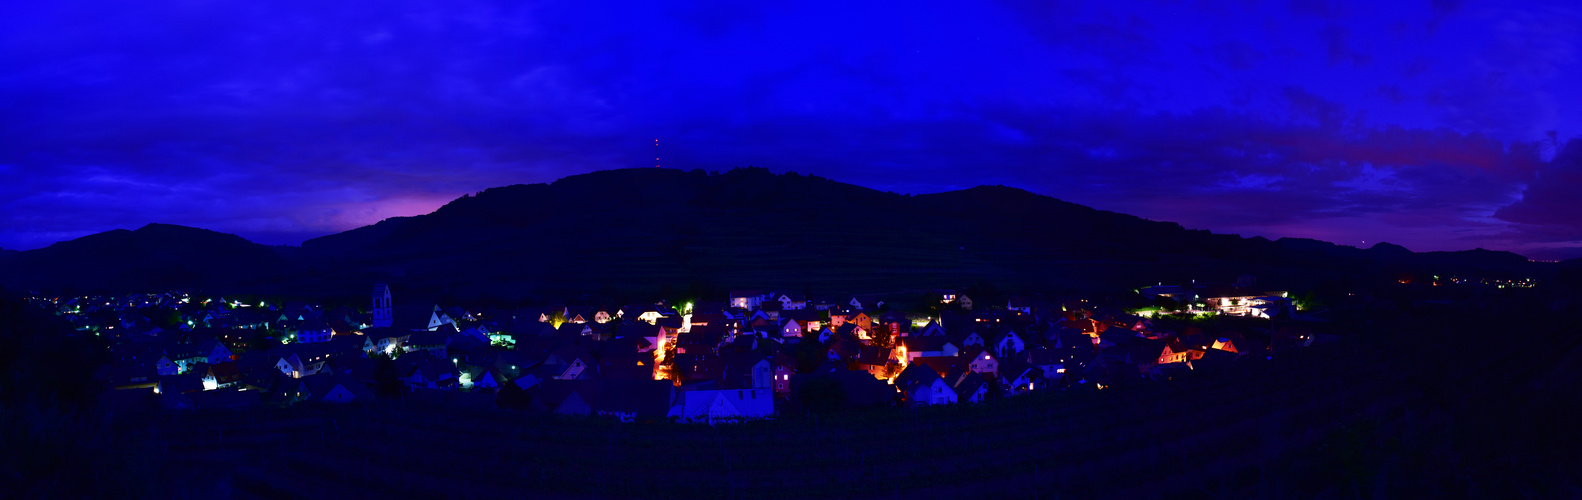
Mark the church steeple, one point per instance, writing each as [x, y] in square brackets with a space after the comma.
[383, 316]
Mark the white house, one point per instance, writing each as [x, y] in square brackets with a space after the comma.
[972, 388]
[166, 367]
[746, 299]
[384, 339]
[791, 329]
[313, 332]
[972, 340]
[1010, 344]
[299, 361]
[1021, 377]
[924, 386]
[297, 366]
[724, 405]
[790, 303]
[859, 302]
[215, 351]
[331, 388]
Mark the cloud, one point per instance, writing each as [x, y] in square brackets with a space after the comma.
[1550, 208]
[1318, 8]
[290, 119]
[1506, 83]
[1441, 10]
[1237, 54]
[1207, 169]
[1335, 43]
[1392, 92]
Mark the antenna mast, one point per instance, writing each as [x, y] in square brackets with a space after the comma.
[656, 153]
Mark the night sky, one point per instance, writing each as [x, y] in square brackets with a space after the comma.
[1437, 125]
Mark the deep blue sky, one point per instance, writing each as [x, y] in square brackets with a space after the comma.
[1425, 123]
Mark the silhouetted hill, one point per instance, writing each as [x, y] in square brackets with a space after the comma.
[6, 256]
[1571, 273]
[638, 232]
[1389, 253]
[660, 229]
[1475, 261]
[153, 257]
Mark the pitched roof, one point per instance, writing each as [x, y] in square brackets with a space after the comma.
[1212, 359]
[915, 375]
[1147, 351]
[1119, 337]
[569, 328]
[942, 364]
[1010, 369]
[924, 344]
[874, 355]
[847, 330]
[968, 385]
[737, 402]
[846, 349]
[562, 396]
[412, 317]
[225, 372]
[736, 371]
[321, 384]
[976, 352]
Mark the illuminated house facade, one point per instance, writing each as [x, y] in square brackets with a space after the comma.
[314, 331]
[983, 362]
[1233, 300]
[746, 299]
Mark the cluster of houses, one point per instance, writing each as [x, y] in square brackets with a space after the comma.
[1242, 298]
[748, 357]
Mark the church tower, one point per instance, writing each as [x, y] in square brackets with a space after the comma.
[383, 316]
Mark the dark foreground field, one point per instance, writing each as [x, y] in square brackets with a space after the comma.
[1431, 403]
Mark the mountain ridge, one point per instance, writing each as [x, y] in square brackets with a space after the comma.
[653, 230]
[153, 256]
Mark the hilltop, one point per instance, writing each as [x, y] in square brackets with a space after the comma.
[646, 231]
[151, 257]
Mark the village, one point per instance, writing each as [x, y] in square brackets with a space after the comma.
[752, 356]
